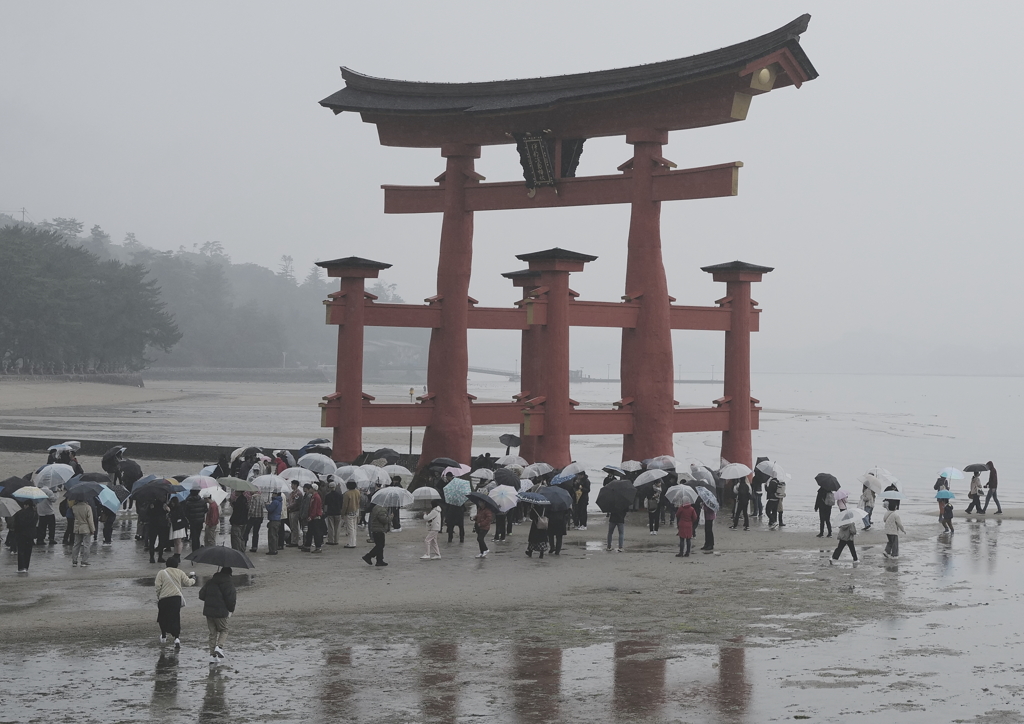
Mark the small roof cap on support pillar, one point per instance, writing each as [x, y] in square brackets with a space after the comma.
[737, 271]
[523, 277]
[556, 259]
[353, 266]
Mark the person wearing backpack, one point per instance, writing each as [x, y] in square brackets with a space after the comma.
[218, 595]
[823, 505]
[845, 537]
[893, 528]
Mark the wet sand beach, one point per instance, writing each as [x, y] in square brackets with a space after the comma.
[763, 630]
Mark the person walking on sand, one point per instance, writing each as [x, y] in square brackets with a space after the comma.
[709, 528]
[380, 523]
[538, 538]
[992, 484]
[686, 516]
[893, 528]
[941, 484]
[947, 516]
[975, 493]
[483, 519]
[212, 521]
[179, 524]
[454, 519]
[867, 502]
[823, 503]
[84, 528]
[743, 494]
[170, 600]
[23, 531]
[274, 511]
[195, 511]
[218, 595]
[351, 502]
[433, 521]
[158, 528]
[845, 536]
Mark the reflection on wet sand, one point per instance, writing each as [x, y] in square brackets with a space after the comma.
[537, 681]
[165, 687]
[214, 708]
[733, 695]
[335, 682]
[639, 681]
[437, 679]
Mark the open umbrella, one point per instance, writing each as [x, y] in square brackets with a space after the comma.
[827, 481]
[157, 490]
[975, 468]
[631, 466]
[457, 470]
[399, 471]
[354, 473]
[509, 441]
[664, 462]
[892, 495]
[944, 495]
[734, 471]
[376, 475]
[29, 492]
[320, 464]
[614, 470]
[198, 482]
[110, 456]
[52, 476]
[456, 491]
[649, 476]
[840, 495]
[559, 497]
[772, 468]
[270, 483]
[512, 460]
[872, 482]
[301, 474]
[426, 493]
[443, 463]
[850, 515]
[709, 498]
[703, 477]
[8, 486]
[109, 500]
[387, 454]
[951, 474]
[482, 474]
[681, 495]
[533, 499]
[393, 497]
[483, 499]
[536, 470]
[505, 496]
[237, 484]
[85, 491]
[8, 507]
[220, 556]
[572, 468]
[617, 495]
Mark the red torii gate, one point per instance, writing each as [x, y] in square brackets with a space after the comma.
[549, 119]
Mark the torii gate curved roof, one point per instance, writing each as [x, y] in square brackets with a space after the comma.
[690, 92]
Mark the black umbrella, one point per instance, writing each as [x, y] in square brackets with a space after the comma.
[559, 497]
[443, 463]
[111, 455]
[7, 487]
[83, 491]
[392, 456]
[157, 490]
[509, 441]
[220, 556]
[484, 499]
[976, 468]
[87, 478]
[617, 495]
[129, 472]
[827, 481]
[319, 441]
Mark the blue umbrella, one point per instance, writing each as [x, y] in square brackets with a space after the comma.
[944, 495]
[109, 500]
[534, 499]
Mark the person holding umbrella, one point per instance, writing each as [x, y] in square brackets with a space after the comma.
[538, 538]
[157, 529]
[23, 532]
[47, 519]
[823, 503]
[433, 521]
[686, 516]
[483, 519]
[218, 595]
[195, 510]
[893, 528]
[847, 530]
[84, 528]
[975, 493]
[169, 599]
[380, 521]
[743, 495]
[992, 484]
[942, 484]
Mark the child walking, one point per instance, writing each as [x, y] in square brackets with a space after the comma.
[686, 516]
[893, 528]
[845, 536]
[947, 517]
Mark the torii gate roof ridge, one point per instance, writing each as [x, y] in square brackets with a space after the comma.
[366, 94]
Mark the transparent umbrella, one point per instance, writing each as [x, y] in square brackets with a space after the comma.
[649, 476]
[770, 467]
[665, 462]
[631, 466]
[734, 471]
[320, 464]
[53, 476]
[951, 474]
[271, 483]
[505, 496]
[302, 475]
[393, 497]
[512, 460]
[536, 470]
[376, 475]
[198, 482]
[399, 471]
[681, 495]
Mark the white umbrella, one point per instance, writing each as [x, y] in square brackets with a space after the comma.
[951, 474]
[703, 476]
[426, 493]
[8, 507]
[649, 476]
[302, 475]
[355, 474]
[631, 466]
[512, 460]
[525, 484]
[376, 475]
[681, 495]
[217, 495]
[393, 497]
[770, 467]
[892, 495]
[193, 482]
[457, 472]
[398, 470]
[850, 515]
[320, 464]
[664, 462]
[54, 475]
[571, 469]
[482, 474]
[505, 496]
[537, 469]
[734, 471]
[270, 483]
[872, 482]
[30, 492]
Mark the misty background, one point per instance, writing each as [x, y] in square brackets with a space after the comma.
[884, 192]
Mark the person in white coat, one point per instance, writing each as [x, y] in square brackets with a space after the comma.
[433, 521]
[893, 528]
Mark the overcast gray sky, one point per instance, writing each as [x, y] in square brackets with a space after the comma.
[885, 193]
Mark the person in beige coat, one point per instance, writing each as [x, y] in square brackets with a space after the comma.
[169, 599]
[84, 528]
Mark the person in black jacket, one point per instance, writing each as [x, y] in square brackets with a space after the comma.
[824, 511]
[757, 486]
[23, 527]
[582, 501]
[218, 595]
[195, 512]
[158, 530]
